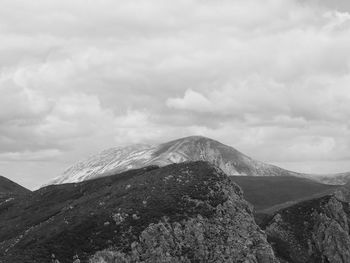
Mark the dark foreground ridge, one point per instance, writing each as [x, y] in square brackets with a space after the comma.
[188, 212]
[313, 231]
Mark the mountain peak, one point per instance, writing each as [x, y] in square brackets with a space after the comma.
[195, 139]
[187, 149]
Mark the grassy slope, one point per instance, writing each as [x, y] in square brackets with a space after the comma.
[9, 189]
[7, 186]
[275, 191]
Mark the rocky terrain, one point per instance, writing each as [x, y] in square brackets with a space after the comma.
[189, 212]
[181, 212]
[312, 231]
[193, 148]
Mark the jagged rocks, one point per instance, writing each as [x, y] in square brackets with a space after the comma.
[196, 240]
[314, 231]
[146, 215]
[227, 234]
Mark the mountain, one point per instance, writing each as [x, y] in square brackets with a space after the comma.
[335, 179]
[10, 190]
[8, 186]
[194, 148]
[188, 212]
[312, 231]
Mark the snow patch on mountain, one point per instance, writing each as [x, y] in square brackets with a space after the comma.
[193, 148]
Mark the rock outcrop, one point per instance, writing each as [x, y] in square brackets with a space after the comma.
[188, 212]
[220, 231]
[314, 231]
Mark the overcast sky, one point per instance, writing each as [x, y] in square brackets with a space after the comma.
[270, 78]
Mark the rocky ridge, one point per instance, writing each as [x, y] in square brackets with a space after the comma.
[188, 212]
[228, 234]
[314, 231]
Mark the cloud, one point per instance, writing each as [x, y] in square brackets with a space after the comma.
[20, 103]
[192, 101]
[270, 78]
[257, 100]
[28, 156]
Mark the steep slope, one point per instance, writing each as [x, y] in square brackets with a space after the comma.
[188, 212]
[194, 148]
[10, 190]
[313, 231]
[8, 186]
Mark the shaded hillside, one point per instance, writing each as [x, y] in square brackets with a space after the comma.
[267, 192]
[115, 212]
[313, 231]
[10, 189]
[8, 186]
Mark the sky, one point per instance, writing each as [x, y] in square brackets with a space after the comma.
[270, 78]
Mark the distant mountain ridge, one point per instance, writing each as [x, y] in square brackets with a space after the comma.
[193, 148]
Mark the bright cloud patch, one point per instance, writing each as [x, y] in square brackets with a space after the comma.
[268, 77]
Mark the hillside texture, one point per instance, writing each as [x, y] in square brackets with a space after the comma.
[314, 231]
[188, 212]
[189, 149]
[10, 190]
[268, 193]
